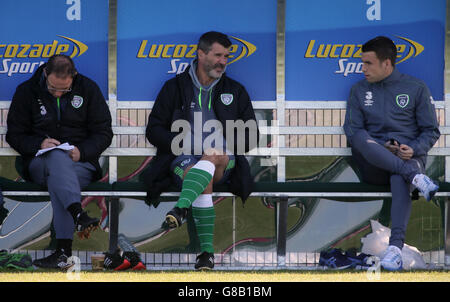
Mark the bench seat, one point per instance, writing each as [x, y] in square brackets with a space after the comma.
[26, 191]
[20, 189]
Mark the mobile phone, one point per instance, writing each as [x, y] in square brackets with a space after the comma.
[393, 142]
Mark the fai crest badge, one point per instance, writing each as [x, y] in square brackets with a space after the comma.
[77, 101]
[402, 100]
[226, 98]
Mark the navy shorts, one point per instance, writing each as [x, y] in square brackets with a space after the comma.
[180, 164]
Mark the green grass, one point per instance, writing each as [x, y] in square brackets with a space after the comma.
[227, 276]
[7, 167]
[128, 164]
[425, 230]
[304, 166]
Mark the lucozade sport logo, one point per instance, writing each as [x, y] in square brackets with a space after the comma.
[10, 52]
[406, 49]
[176, 52]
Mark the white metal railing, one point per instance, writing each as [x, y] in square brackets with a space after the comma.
[261, 151]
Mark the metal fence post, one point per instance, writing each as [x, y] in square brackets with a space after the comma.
[113, 204]
[113, 214]
[282, 211]
[447, 233]
[447, 138]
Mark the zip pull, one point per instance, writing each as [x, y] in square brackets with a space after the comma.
[200, 99]
[59, 109]
[209, 105]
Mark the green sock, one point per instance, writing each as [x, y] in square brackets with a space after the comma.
[194, 183]
[204, 219]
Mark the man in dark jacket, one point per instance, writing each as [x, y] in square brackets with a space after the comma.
[391, 124]
[197, 101]
[58, 105]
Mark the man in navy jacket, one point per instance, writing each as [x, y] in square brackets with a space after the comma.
[201, 100]
[391, 124]
[58, 105]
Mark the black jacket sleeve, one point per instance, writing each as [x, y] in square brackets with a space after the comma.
[247, 114]
[19, 123]
[160, 119]
[99, 126]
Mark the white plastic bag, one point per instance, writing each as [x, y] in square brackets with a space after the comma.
[377, 242]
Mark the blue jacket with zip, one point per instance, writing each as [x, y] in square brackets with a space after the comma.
[398, 107]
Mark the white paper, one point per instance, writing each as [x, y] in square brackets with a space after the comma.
[64, 146]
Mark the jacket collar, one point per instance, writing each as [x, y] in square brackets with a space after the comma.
[394, 76]
[196, 81]
[184, 83]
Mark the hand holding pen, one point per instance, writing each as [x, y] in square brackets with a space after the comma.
[49, 143]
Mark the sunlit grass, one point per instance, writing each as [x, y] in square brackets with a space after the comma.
[228, 276]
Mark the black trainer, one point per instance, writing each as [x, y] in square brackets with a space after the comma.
[334, 259]
[205, 261]
[115, 261]
[135, 261]
[85, 225]
[175, 217]
[57, 260]
[359, 261]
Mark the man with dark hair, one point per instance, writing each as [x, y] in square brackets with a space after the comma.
[201, 96]
[58, 105]
[383, 47]
[391, 124]
[208, 39]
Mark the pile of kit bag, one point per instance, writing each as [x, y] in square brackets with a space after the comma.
[338, 259]
[14, 261]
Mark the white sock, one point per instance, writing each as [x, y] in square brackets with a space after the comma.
[205, 165]
[203, 201]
